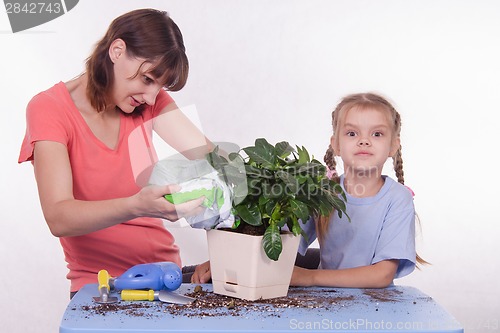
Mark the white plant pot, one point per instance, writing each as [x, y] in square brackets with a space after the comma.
[240, 268]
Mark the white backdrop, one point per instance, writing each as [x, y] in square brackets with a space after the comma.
[276, 69]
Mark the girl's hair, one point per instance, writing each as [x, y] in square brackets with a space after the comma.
[362, 101]
[149, 34]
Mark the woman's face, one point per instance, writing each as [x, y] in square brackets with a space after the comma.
[133, 85]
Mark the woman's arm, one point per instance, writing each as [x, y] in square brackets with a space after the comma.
[67, 216]
[181, 134]
[378, 275]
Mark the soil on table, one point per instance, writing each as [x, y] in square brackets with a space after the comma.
[383, 295]
[209, 304]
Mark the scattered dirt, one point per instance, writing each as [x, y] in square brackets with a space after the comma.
[383, 295]
[209, 304]
[131, 309]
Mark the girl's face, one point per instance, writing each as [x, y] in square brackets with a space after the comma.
[365, 140]
[133, 85]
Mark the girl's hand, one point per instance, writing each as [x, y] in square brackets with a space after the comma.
[301, 277]
[202, 273]
[150, 201]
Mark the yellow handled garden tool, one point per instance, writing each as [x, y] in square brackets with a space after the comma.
[103, 279]
[151, 295]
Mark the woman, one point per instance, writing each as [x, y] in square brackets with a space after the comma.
[88, 160]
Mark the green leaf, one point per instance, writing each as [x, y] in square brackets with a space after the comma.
[272, 242]
[301, 179]
[254, 187]
[262, 143]
[325, 206]
[311, 169]
[273, 191]
[303, 155]
[256, 172]
[237, 221]
[283, 149]
[299, 209]
[236, 158]
[308, 191]
[250, 214]
[215, 160]
[276, 214]
[262, 153]
[291, 183]
[232, 175]
[240, 192]
[340, 207]
[269, 206]
[262, 201]
[282, 222]
[296, 228]
[308, 169]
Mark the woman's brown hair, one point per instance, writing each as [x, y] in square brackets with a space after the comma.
[149, 34]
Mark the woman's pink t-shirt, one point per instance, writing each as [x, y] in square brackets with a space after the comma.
[101, 173]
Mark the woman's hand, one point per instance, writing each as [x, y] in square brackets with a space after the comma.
[202, 273]
[150, 201]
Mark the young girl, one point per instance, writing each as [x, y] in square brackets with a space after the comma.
[378, 243]
[79, 138]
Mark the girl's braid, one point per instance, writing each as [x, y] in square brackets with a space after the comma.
[398, 157]
[398, 166]
[331, 164]
[323, 222]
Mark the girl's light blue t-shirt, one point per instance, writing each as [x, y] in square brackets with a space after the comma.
[382, 227]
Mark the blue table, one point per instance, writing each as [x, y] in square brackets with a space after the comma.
[398, 308]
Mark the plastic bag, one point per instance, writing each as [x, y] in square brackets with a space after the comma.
[196, 178]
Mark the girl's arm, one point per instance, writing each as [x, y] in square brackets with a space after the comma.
[67, 216]
[379, 275]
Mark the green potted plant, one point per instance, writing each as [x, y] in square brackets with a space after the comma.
[275, 188]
